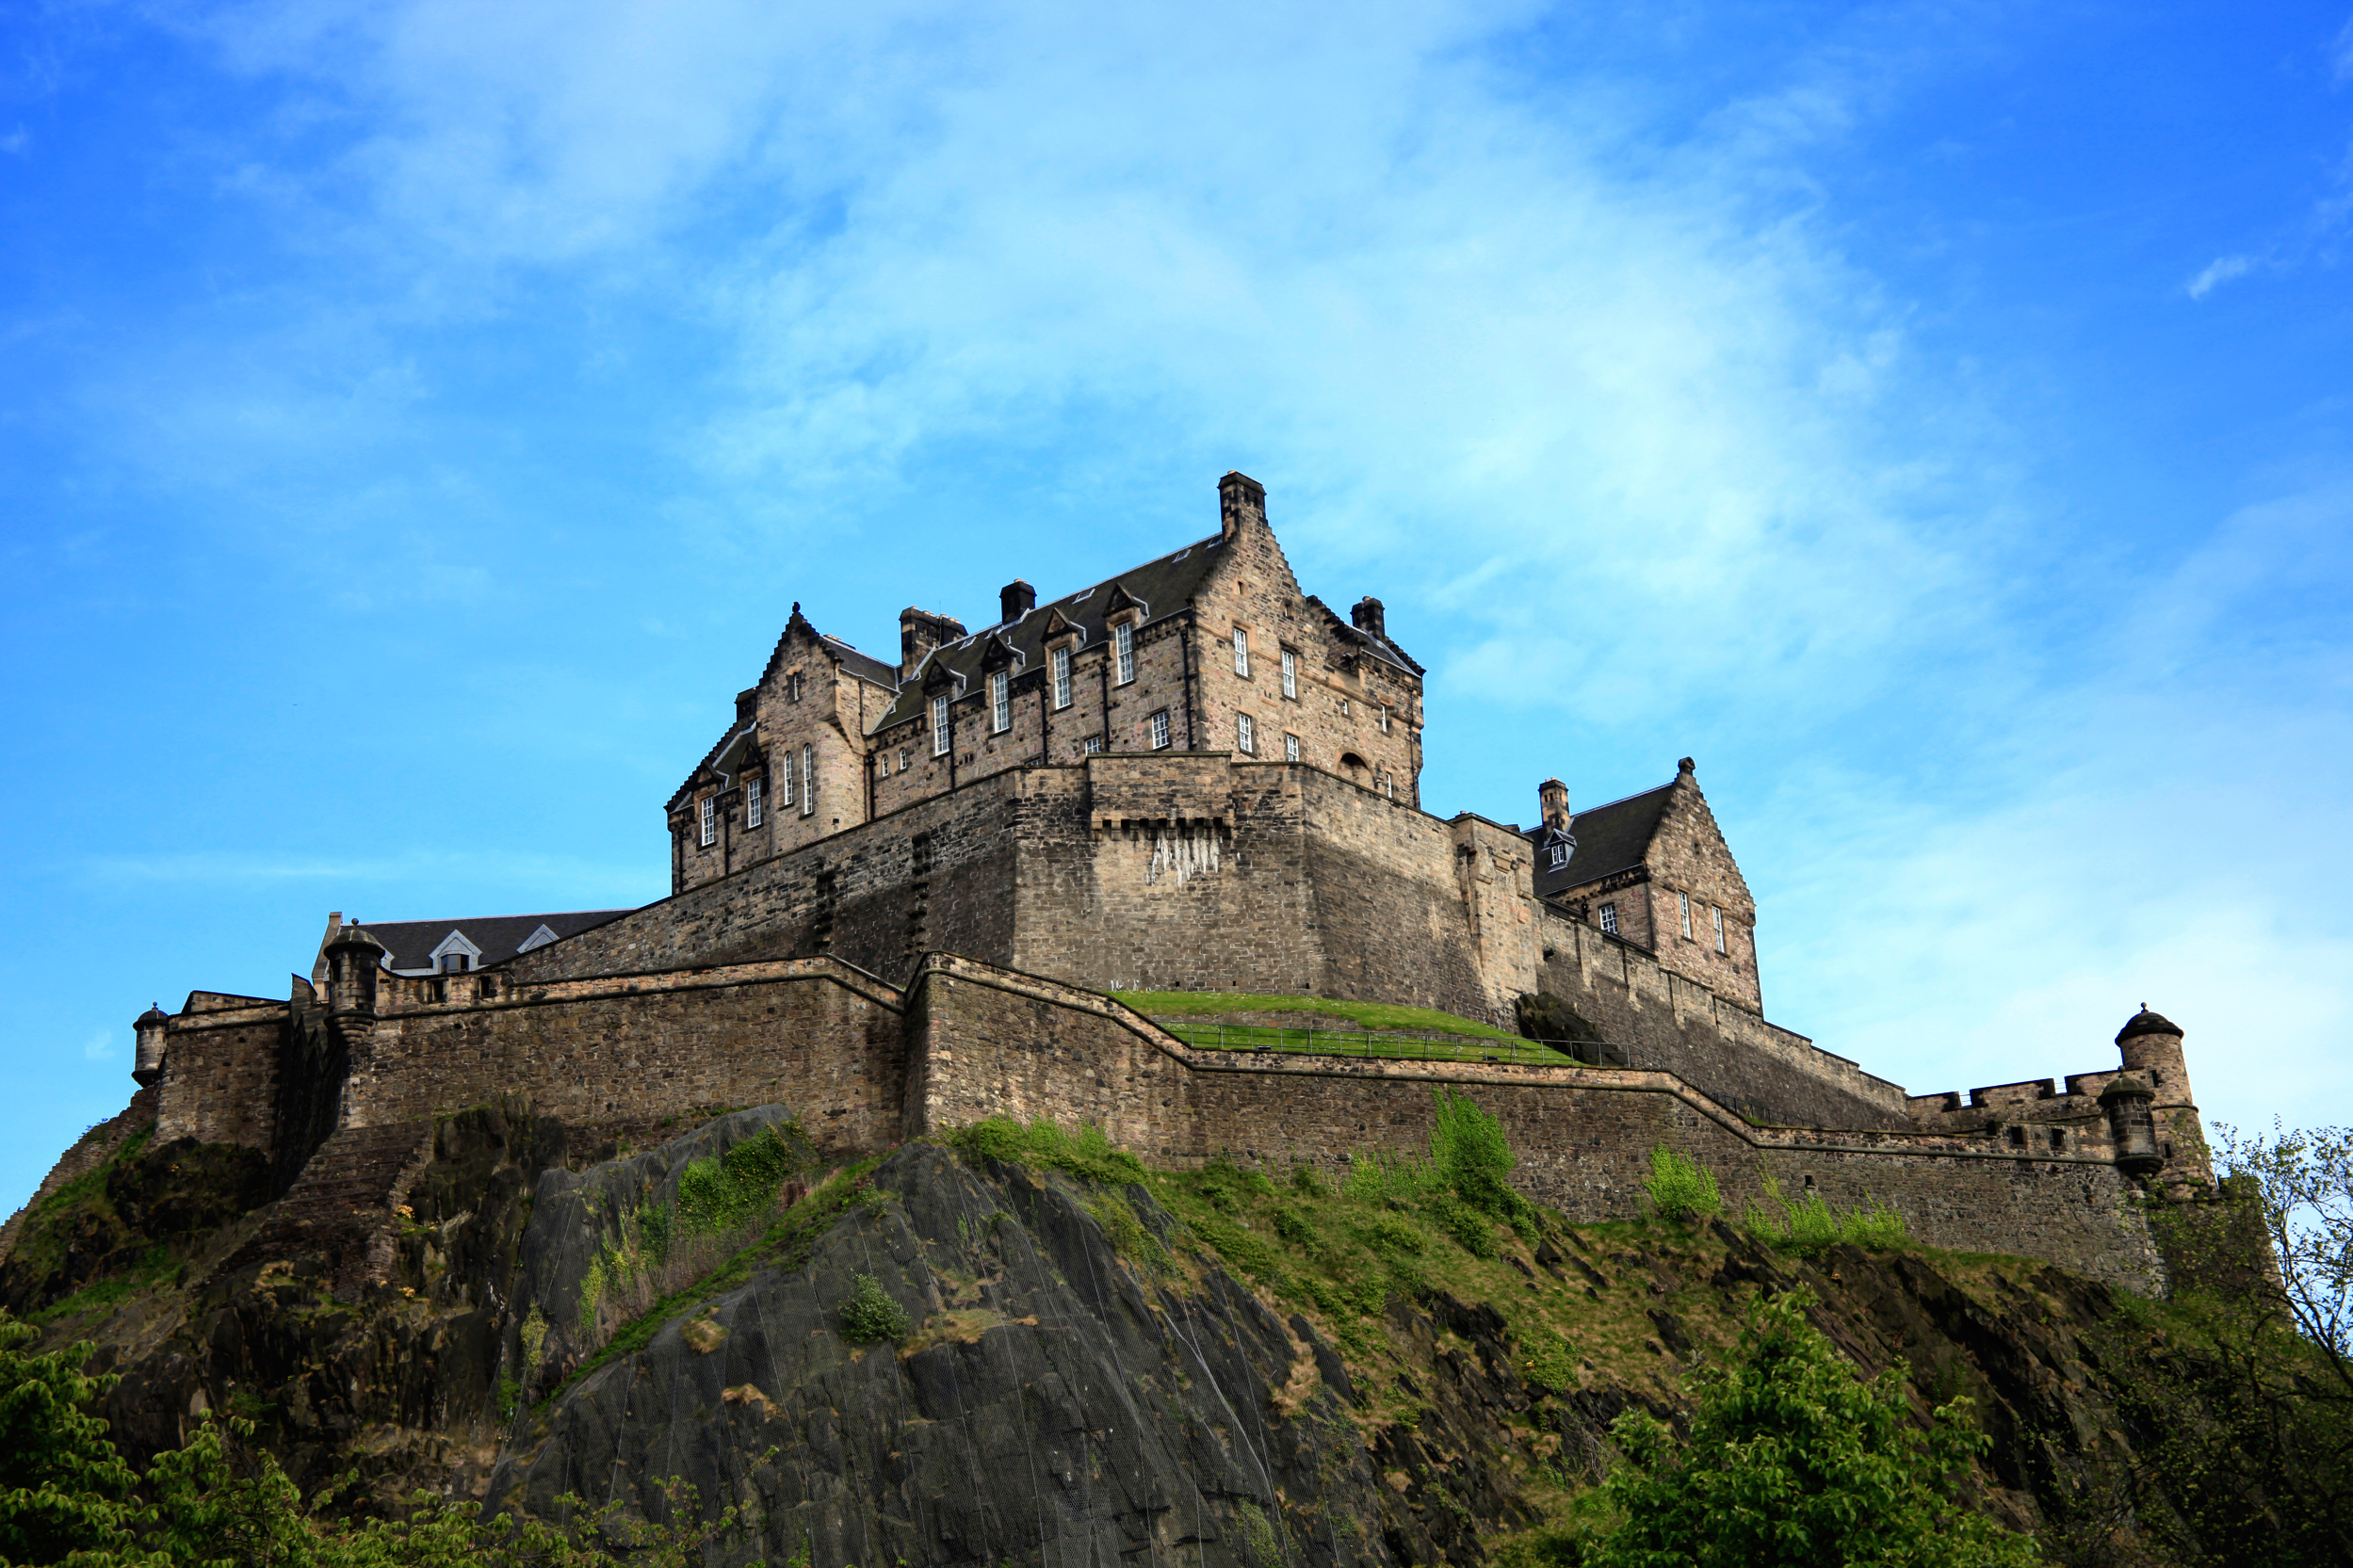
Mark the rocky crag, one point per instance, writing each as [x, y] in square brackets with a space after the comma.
[1002, 1346]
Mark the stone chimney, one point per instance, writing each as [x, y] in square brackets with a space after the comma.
[1554, 796]
[747, 705]
[919, 632]
[1683, 769]
[1368, 616]
[1016, 600]
[1240, 502]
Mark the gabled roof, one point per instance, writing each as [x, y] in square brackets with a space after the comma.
[1375, 643]
[1159, 587]
[1610, 839]
[409, 943]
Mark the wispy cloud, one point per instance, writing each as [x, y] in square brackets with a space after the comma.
[2218, 272]
[100, 1047]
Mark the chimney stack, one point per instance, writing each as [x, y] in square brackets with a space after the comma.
[1554, 796]
[1016, 599]
[1368, 616]
[919, 632]
[1241, 501]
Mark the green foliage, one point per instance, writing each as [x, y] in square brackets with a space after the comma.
[1128, 1234]
[1546, 1361]
[1809, 1224]
[1254, 1537]
[1368, 1015]
[1470, 1153]
[870, 1316]
[1681, 1187]
[1791, 1461]
[1085, 1152]
[63, 1489]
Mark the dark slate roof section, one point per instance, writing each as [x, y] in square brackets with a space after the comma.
[1378, 645]
[864, 666]
[1163, 587]
[409, 943]
[1610, 839]
[733, 733]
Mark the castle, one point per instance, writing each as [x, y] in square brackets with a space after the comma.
[901, 893]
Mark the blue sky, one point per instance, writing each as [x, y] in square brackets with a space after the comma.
[417, 419]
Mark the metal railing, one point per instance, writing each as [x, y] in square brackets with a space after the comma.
[1310, 1039]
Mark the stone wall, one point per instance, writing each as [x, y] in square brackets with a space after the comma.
[220, 1082]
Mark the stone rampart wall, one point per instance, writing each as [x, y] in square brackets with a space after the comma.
[220, 1081]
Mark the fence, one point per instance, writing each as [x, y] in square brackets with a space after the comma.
[1311, 1039]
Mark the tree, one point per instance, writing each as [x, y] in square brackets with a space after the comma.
[1791, 1460]
[63, 1488]
[2301, 1183]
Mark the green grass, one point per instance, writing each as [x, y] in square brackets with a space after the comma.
[1365, 1015]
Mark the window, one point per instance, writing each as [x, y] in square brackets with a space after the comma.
[710, 820]
[1159, 730]
[1241, 651]
[881, 766]
[1560, 856]
[1389, 786]
[785, 790]
[1384, 718]
[939, 726]
[1290, 748]
[1124, 647]
[1094, 744]
[792, 688]
[1000, 702]
[1061, 677]
[453, 963]
[1608, 918]
[904, 758]
[751, 802]
[1245, 734]
[1682, 904]
[1343, 707]
[1290, 675]
[1719, 927]
[808, 780]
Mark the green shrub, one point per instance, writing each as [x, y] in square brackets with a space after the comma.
[1809, 1224]
[1468, 1150]
[1679, 1187]
[1471, 1230]
[1085, 1152]
[870, 1316]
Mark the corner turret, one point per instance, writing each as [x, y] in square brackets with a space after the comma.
[354, 962]
[2130, 1125]
[147, 1064]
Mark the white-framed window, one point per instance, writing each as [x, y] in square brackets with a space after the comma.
[1290, 675]
[1608, 918]
[905, 758]
[1682, 905]
[1241, 651]
[710, 819]
[1123, 651]
[1094, 744]
[1559, 856]
[939, 726]
[1290, 748]
[808, 780]
[1159, 730]
[1718, 916]
[752, 802]
[881, 766]
[785, 791]
[1000, 702]
[1061, 677]
[1245, 734]
[1384, 718]
[1343, 707]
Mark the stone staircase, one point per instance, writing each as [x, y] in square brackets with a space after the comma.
[338, 1212]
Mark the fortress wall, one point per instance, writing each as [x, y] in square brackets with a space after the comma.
[1677, 1026]
[220, 1081]
[808, 1033]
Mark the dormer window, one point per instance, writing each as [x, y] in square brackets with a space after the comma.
[1061, 677]
[1123, 651]
[710, 821]
[751, 815]
[1557, 856]
[1000, 702]
[1241, 653]
[939, 726]
[1290, 675]
[453, 963]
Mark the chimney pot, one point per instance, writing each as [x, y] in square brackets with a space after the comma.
[1368, 616]
[1016, 599]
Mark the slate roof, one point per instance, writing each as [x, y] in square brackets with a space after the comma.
[1161, 588]
[864, 666]
[1610, 839]
[409, 943]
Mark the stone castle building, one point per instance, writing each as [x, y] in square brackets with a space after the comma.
[901, 893]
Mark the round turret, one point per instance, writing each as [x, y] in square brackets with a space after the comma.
[2150, 1045]
[354, 958]
[147, 1061]
[2130, 1126]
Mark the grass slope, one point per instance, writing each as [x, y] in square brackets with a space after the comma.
[1368, 1015]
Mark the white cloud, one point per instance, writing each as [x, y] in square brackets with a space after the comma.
[2218, 272]
[2342, 53]
[100, 1047]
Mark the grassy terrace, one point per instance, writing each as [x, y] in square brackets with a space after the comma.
[1329, 1027]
